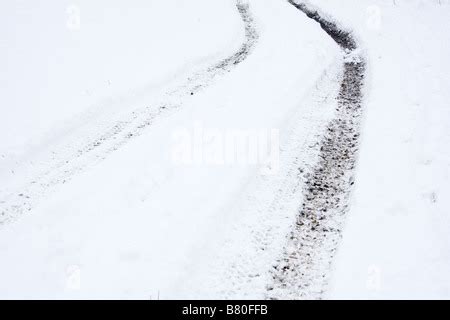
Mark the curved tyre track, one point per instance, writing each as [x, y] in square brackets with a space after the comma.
[303, 270]
[69, 160]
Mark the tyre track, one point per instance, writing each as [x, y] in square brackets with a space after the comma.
[68, 161]
[303, 269]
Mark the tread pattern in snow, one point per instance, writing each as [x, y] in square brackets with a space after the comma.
[303, 270]
[73, 158]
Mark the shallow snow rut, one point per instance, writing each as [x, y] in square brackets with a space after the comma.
[66, 161]
[304, 268]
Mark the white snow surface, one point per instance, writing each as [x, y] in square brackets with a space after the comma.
[136, 224]
[396, 244]
[127, 221]
[53, 71]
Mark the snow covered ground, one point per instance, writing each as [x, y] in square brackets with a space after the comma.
[116, 179]
[396, 243]
[72, 57]
[134, 224]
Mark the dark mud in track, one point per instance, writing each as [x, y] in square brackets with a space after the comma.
[304, 268]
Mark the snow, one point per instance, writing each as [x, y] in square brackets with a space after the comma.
[100, 207]
[116, 51]
[139, 225]
[396, 243]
